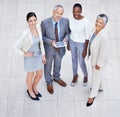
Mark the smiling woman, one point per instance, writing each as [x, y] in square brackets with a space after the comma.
[79, 38]
[101, 21]
[32, 21]
[98, 47]
[30, 45]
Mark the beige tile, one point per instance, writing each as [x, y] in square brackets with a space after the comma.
[31, 108]
[82, 110]
[66, 109]
[113, 93]
[99, 109]
[3, 108]
[15, 108]
[16, 89]
[17, 67]
[113, 108]
[66, 93]
[49, 108]
[4, 87]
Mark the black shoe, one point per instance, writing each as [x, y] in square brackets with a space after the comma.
[89, 104]
[100, 90]
[36, 98]
[38, 94]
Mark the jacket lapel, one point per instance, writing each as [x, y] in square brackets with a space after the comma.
[50, 27]
[39, 31]
[61, 26]
[30, 36]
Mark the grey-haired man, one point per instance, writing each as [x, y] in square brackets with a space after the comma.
[48, 27]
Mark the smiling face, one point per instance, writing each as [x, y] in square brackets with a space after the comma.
[76, 12]
[57, 13]
[99, 24]
[32, 21]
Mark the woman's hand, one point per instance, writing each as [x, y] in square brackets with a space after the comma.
[97, 67]
[28, 54]
[65, 41]
[43, 59]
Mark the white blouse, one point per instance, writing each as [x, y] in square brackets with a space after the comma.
[80, 29]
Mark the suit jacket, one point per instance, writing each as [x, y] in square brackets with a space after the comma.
[24, 42]
[99, 48]
[48, 34]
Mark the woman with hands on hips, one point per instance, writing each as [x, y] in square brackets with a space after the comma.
[30, 45]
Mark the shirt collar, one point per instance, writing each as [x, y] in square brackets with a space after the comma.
[55, 22]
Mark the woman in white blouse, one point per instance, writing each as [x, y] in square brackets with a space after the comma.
[98, 47]
[79, 39]
[30, 45]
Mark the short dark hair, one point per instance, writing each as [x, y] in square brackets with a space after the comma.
[78, 5]
[30, 14]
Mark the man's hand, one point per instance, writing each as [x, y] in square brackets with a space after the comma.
[65, 41]
[53, 43]
[43, 59]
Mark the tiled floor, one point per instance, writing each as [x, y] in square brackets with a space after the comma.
[68, 101]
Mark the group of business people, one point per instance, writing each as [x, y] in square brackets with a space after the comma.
[37, 45]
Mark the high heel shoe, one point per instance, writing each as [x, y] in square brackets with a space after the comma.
[37, 94]
[89, 104]
[33, 98]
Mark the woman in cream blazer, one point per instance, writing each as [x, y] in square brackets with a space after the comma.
[30, 45]
[98, 50]
[25, 41]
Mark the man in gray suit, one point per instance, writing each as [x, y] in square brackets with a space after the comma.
[54, 29]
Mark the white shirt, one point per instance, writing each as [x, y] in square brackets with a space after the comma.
[80, 30]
